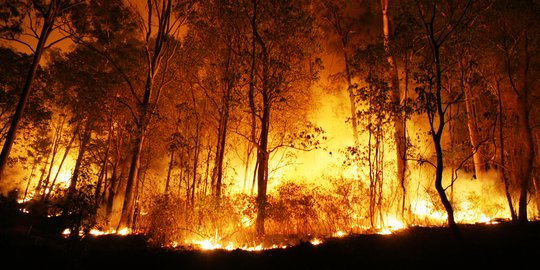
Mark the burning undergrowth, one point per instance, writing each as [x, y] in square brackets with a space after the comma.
[296, 212]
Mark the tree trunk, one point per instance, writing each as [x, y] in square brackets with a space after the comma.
[222, 138]
[169, 171]
[47, 189]
[103, 171]
[148, 103]
[352, 99]
[68, 148]
[504, 175]
[525, 170]
[473, 134]
[195, 162]
[77, 168]
[399, 119]
[126, 217]
[437, 135]
[46, 29]
[262, 173]
[114, 181]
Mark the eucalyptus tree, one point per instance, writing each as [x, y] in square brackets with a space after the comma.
[280, 57]
[440, 22]
[87, 85]
[219, 30]
[511, 42]
[15, 65]
[398, 99]
[166, 18]
[346, 22]
[44, 17]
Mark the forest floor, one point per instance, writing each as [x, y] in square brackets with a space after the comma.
[503, 245]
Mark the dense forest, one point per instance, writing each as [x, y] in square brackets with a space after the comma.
[234, 121]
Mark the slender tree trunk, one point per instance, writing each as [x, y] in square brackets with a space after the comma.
[352, 99]
[195, 162]
[221, 154]
[169, 171]
[262, 173]
[103, 171]
[126, 217]
[77, 168]
[68, 148]
[56, 145]
[148, 103]
[525, 171]
[46, 29]
[398, 119]
[36, 161]
[114, 181]
[473, 133]
[246, 166]
[437, 136]
[504, 175]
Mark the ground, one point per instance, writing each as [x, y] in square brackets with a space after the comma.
[500, 246]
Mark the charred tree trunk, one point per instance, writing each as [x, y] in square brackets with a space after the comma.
[435, 111]
[262, 147]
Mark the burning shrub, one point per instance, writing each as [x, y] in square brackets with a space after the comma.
[172, 221]
[341, 205]
[80, 211]
[164, 219]
[293, 210]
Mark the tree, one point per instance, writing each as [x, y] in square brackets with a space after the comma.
[220, 30]
[398, 101]
[343, 21]
[280, 60]
[511, 41]
[158, 49]
[47, 16]
[437, 31]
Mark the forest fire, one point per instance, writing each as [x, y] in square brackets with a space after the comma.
[266, 126]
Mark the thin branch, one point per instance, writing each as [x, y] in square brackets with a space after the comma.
[135, 119]
[79, 40]
[19, 41]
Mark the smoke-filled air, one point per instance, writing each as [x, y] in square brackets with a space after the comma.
[258, 124]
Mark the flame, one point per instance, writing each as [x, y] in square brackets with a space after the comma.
[315, 241]
[212, 244]
[339, 233]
